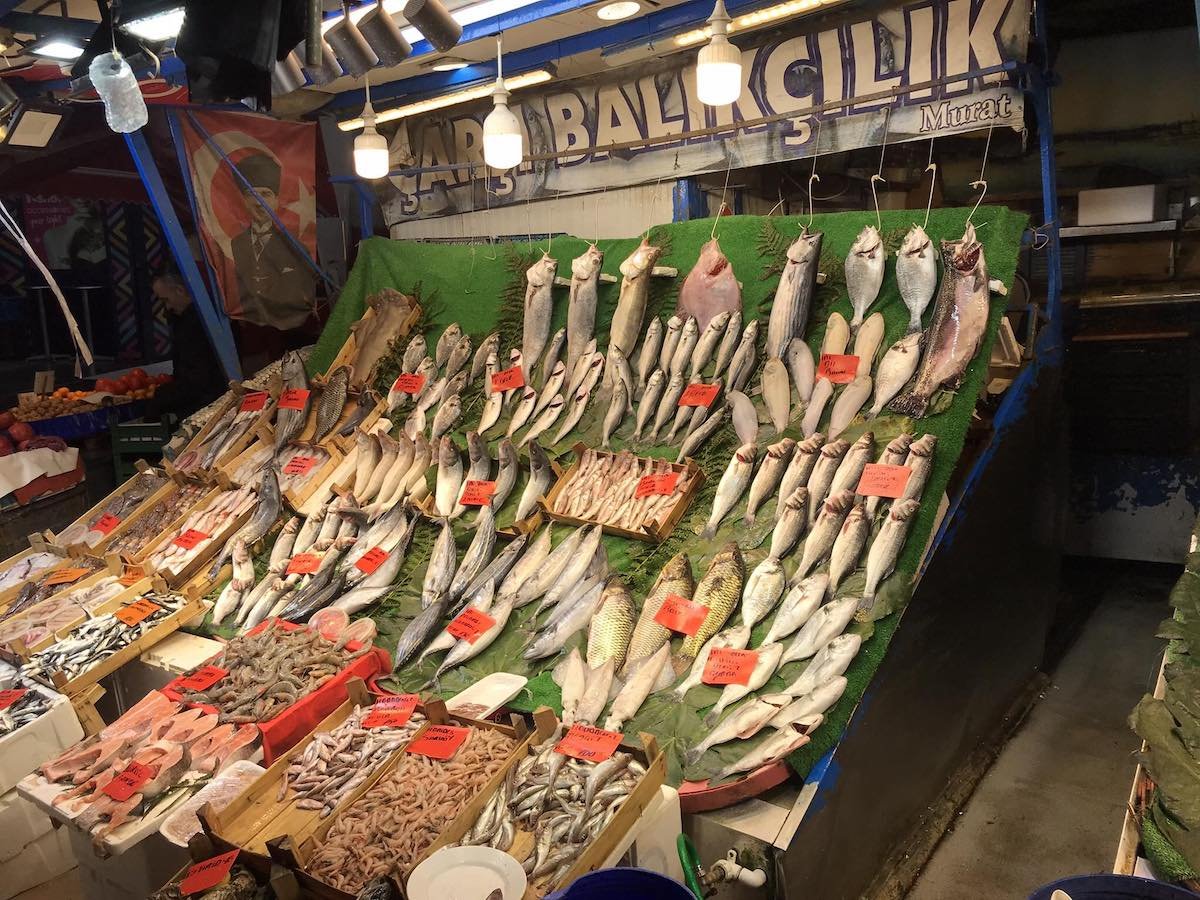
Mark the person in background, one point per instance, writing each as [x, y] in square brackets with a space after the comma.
[198, 377]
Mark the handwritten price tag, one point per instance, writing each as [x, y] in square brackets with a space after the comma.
[837, 368]
[131, 575]
[409, 383]
[203, 678]
[478, 493]
[588, 743]
[469, 624]
[129, 781]
[508, 379]
[681, 614]
[65, 576]
[728, 666]
[883, 481]
[372, 560]
[299, 465]
[391, 712]
[253, 402]
[439, 741]
[204, 876]
[293, 398]
[190, 538]
[137, 611]
[105, 523]
[303, 564]
[656, 484]
[8, 698]
[699, 394]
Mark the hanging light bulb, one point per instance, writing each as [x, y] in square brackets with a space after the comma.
[503, 142]
[719, 65]
[371, 158]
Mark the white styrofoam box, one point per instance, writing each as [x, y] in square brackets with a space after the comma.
[1123, 206]
[43, 859]
[134, 875]
[20, 823]
[44, 738]
[182, 652]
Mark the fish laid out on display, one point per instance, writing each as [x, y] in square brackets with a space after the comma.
[631, 302]
[289, 421]
[604, 488]
[916, 274]
[837, 337]
[391, 310]
[731, 487]
[334, 393]
[539, 307]
[446, 342]
[793, 295]
[896, 369]
[710, 288]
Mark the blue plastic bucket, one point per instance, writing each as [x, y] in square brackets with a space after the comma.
[626, 883]
[1112, 887]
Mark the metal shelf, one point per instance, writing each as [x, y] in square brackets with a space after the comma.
[1082, 231]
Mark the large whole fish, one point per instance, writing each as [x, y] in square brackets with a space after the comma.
[916, 274]
[885, 549]
[372, 336]
[648, 635]
[611, 626]
[581, 304]
[631, 303]
[895, 369]
[864, 271]
[719, 591]
[793, 296]
[290, 422]
[959, 321]
[731, 487]
[446, 342]
[541, 475]
[539, 306]
[265, 513]
[710, 288]
[733, 638]
[333, 401]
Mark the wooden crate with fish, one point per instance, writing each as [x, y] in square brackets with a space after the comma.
[170, 505]
[190, 543]
[247, 466]
[227, 402]
[389, 317]
[657, 493]
[91, 532]
[304, 469]
[16, 565]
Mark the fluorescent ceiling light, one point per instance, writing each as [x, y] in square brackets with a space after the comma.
[157, 28]
[57, 48]
[449, 64]
[515, 83]
[622, 9]
[755, 19]
[468, 15]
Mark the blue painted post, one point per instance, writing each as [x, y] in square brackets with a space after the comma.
[1040, 80]
[687, 201]
[215, 323]
[366, 209]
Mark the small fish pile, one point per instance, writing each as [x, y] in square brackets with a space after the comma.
[39, 622]
[336, 762]
[38, 589]
[29, 706]
[150, 524]
[298, 464]
[388, 829]
[271, 670]
[240, 885]
[26, 567]
[174, 552]
[225, 433]
[611, 489]
[439, 381]
[564, 803]
[138, 488]
[96, 640]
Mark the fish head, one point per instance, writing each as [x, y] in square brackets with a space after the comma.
[868, 242]
[781, 449]
[463, 345]
[924, 445]
[964, 255]
[674, 324]
[426, 367]
[900, 443]
[691, 327]
[451, 332]
[798, 499]
[719, 321]
[839, 502]
[750, 334]
[447, 451]
[806, 247]
[916, 242]
[857, 514]
[476, 446]
[835, 450]
[293, 366]
[537, 456]
[506, 452]
[903, 510]
[640, 260]
[865, 442]
[656, 379]
[458, 382]
[514, 357]
[587, 265]
[541, 272]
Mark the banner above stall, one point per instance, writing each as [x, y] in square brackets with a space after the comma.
[911, 44]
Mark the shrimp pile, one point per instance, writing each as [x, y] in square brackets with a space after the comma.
[389, 828]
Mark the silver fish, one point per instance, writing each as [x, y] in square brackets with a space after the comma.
[445, 418]
[523, 411]
[479, 467]
[764, 587]
[849, 545]
[828, 460]
[864, 271]
[895, 370]
[551, 639]
[449, 477]
[582, 367]
[708, 341]
[413, 354]
[541, 475]
[885, 549]
[731, 487]
[743, 724]
[825, 529]
[492, 407]
[648, 405]
[831, 660]
[616, 368]
[578, 404]
[850, 470]
[683, 414]
[631, 302]
[432, 394]
[497, 570]
[670, 342]
[848, 403]
[530, 564]
[765, 664]
[594, 370]
[822, 627]
[745, 357]
[809, 709]
[729, 341]
[648, 353]
[745, 417]
[802, 368]
[792, 520]
[793, 295]
[506, 472]
[461, 352]
[770, 472]
[637, 688]
[550, 389]
[798, 606]
[548, 417]
[446, 342]
[920, 464]
[837, 336]
[581, 304]
[894, 454]
[616, 412]
[539, 306]
[731, 638]
[667, 406]
[779, 745]
[488, 346]
[688, 338]
[916, 274]
[804, 459]
[777, 393]
[440, 570]
[553, 351]
[703, 431]
[477, 555]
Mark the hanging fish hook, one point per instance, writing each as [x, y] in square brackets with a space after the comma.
[932, 167]
[771, 211]
[980, 184]
[878, 176]
[462, 219]
[721, 208]
[813, 177]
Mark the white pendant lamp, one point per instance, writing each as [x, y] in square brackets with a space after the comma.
[719, 65]
[503, 142]
[370, 148]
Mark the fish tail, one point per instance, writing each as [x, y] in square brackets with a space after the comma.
[709, 532]
[693, 756]
[749, 519]
[910, 403]
[914, 325]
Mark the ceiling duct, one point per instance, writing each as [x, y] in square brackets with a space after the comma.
[328, 70]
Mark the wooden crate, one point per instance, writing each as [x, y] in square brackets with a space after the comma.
[350, 347]
[204, 557]
[650, 534]
[154, 501]
[263, 437]
[38, 543]
[317, 476]
[78, 549]
[227, 401]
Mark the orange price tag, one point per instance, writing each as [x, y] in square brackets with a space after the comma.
[131, 575]
[478, 493]
[508, 379]
[190, 538]
[299, 465]
[879, 480]
[303, 564]
[728, 666]
[372, 560]
[837, 368]
[391, 712]
[293, 398]
[409, 383]
[698, 394]
[105, 523]
[128, 781]
[469, 624]
[137, 611]
[254, 401]
[588, 743]
[203, 678]
[439, 741]
[204, 876]
[9, 697]
[681, 614]
[65, 576]
[656, 484]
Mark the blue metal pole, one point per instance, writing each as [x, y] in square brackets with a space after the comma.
[217, 326]
[366, 209]
[687, 201]
[1040, 82]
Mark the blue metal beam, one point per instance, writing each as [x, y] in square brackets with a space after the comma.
[687, 200]
[215, 323]
[45, 26]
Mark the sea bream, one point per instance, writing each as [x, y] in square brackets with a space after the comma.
[631, 302]
[581, 303]
[539, 307]
[916, 274]
[793, 295]
[864, 272]
[446, 342]
[710, 287]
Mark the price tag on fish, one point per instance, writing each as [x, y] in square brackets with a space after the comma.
[65, 576]
[204, 876]
[254, 401]
[9, 697]
[589, 743]
[190, 538]
[469, 624]
[409, 383]
[293, 398]
[303, 564]
[439, 741]
[371, 560]
[649, 485]
[879, 480]
[128, 781]
[391, 712]
[508, 379]
[837, 368]
[728, 666]
[299, 465]
[699, 394]
[478, 493]
[131, 575]
[681, 614]
[137, 611]
[203, 678]
[105, 523]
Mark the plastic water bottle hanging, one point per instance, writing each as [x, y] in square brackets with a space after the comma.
[124, 106]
